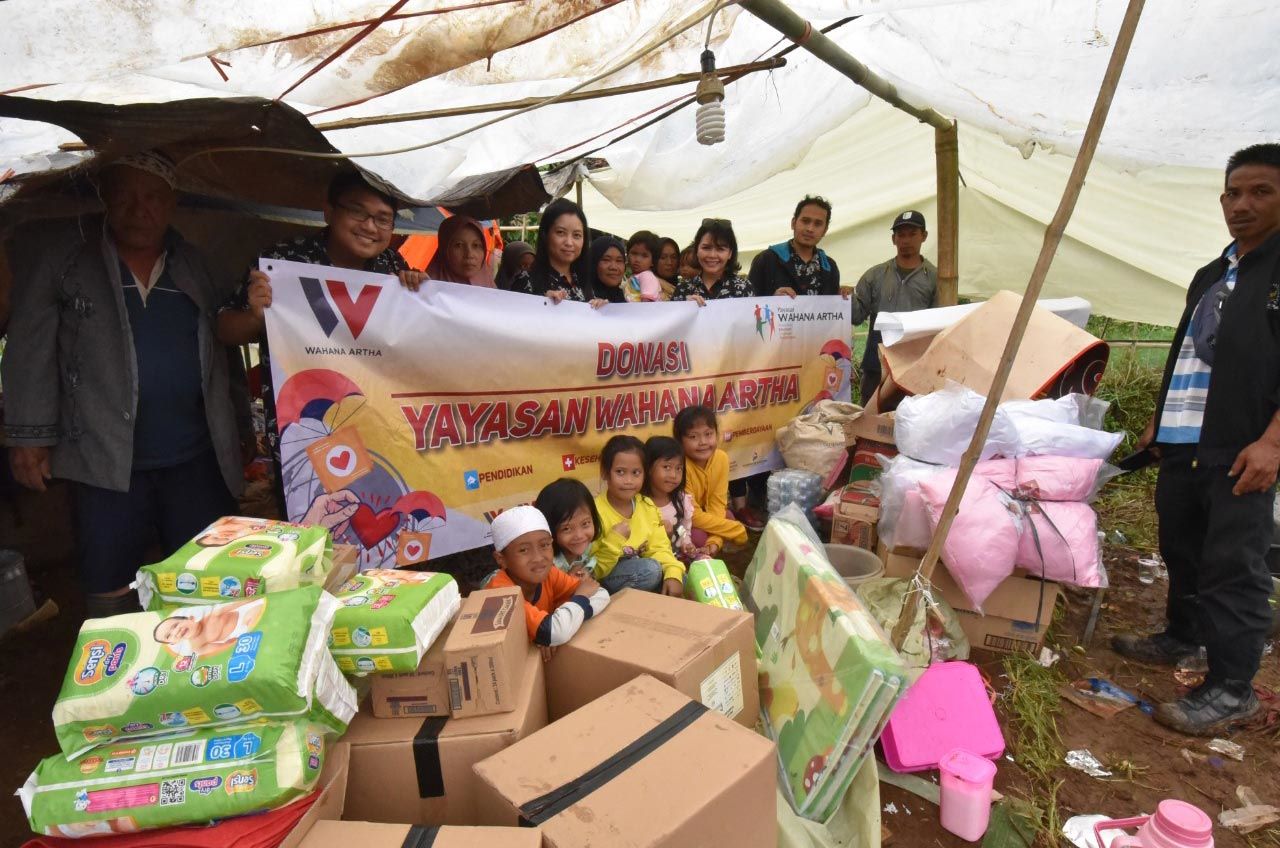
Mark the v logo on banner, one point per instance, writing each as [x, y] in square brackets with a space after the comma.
[355, 312]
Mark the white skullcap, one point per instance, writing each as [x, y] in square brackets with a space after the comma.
[515, 522]
[153, 162]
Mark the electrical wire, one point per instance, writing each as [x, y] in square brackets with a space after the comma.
[631, 60]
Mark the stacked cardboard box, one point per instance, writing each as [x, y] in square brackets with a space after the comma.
[704, 651]
[646, 688]
[642, 766]
[335, 834]
[1014, 617]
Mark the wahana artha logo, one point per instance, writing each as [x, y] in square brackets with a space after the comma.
[352, 310]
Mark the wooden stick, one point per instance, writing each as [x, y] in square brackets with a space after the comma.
[946, 145]
[454, 111]
[1052, 237]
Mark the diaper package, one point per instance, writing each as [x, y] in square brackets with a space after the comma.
[708, 582]
[389, 617]
[237, 558]
[150, 673]
[189, 777]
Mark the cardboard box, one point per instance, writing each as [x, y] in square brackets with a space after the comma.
[1012, 611]
[346, 561]
[422, 692]
[643, 766]
[333, 794]
[872, 426]
[484, 654]
[855, 524]
[706, 652]
[348, 834]
[418, 771]
[1056, 356]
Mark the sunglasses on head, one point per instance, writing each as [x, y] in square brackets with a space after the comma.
[712, 222]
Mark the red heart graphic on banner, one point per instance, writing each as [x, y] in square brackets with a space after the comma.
[371, 528]
[341, 461]
[413, 551]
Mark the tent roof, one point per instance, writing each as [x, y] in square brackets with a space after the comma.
[1024, 72]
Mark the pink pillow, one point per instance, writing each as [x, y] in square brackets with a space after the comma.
[983, 541]
[1068, 549]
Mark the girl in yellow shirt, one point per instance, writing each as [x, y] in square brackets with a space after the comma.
[633, 551]
[706, 478]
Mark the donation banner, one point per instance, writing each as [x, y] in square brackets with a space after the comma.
[409, 420]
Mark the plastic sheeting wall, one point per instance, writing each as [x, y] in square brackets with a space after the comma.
[1131, 249]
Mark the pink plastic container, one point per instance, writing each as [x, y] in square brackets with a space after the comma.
[1176, 824]
[967, 781]
[947, 708]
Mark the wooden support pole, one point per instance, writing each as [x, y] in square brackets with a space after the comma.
[946, 145]
[776, 14]
[1052, 238]
[731, 72]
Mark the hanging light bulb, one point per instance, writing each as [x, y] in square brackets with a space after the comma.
[710, 97]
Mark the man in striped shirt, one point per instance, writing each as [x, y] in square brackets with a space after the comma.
[1216, 432]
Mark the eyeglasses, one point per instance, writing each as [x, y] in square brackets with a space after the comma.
[382, 222]
[713, 222]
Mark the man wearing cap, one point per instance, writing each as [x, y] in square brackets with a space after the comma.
[115, 381]
[905, 283]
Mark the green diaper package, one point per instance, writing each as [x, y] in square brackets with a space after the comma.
[148, 673]
[708, 582]
[237, 558]
[389, 618]
[190, 777]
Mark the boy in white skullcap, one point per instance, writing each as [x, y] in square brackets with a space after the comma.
[555, 604]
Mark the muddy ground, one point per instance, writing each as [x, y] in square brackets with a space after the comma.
[32, 666]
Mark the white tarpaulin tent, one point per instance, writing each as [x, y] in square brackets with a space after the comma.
[1198, 84]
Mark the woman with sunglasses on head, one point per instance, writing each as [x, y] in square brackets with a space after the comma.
[717, 255]
[560, 265]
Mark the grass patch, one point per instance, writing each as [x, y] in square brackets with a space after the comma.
[1130, 385]
[1032, 706]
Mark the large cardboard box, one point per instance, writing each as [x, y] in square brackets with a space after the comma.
[872, 426]
[484, 654]
[1017, 613]
[333, 794]
[419, 771]
[422, 692]
[706, 652]
[350, 834]
[644, 766]
[1056, 356]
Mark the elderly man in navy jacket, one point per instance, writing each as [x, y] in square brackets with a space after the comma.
[1216, 431]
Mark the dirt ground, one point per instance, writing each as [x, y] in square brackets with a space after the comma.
[32, 666]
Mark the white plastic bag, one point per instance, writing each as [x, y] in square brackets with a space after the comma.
[1038, 437]
[901, 477]
[937, 427]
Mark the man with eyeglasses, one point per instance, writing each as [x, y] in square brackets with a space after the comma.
[360, 221]
[1216, 434]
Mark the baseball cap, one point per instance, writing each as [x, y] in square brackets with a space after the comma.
[910, 218]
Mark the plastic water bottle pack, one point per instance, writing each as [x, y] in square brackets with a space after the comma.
[792, 485]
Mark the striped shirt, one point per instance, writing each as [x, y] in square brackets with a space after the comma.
[1183, 413]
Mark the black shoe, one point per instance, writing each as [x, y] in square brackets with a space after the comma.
[1157, 649]
[1211, 709]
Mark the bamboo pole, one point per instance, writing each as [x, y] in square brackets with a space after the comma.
[731, 71]
[1052, 237]
[776, 14]
[946, 145]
